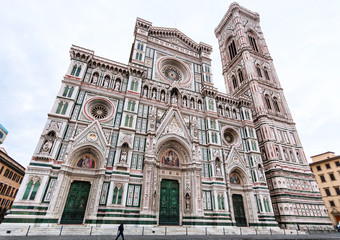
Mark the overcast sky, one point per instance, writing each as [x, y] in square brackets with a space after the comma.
[35, 37]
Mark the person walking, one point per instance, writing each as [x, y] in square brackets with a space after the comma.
[120, 230]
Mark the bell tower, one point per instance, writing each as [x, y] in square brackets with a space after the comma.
[249, 72]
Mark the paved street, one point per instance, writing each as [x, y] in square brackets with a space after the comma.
[202, 237]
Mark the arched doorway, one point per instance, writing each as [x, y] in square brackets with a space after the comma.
[169, 203]
[76, 202]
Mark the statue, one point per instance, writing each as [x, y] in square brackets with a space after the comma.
[47, 146]
[218, 168]
[162, 96]
[94, 79]
[154, 95]
[145, 92]
[106, 82]
[123, 156]
[117, 86]
[174, 98]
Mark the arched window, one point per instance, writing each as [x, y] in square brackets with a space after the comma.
[258, 70]
[28, 190]
[65, 90]
[137, 56]
[253, 43]
[240, 75]
[234, 82]
[276, 105]
[117, 194]
[211, 105]
[232, 50]
[74, 70]
[60, 105]
[78, 71]
[35, 190]
[64, 108]
[70, 92]
[267, 99]
[266, 74]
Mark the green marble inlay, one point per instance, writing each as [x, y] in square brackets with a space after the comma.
[30, 220]
[118, 210]
[124, 215]
[207, 223]
[100, 221]
[29, 207]
[27, 213]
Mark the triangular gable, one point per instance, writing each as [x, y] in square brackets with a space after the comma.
[234, 159]
[92, 135]
[174, 36]
[173, 123]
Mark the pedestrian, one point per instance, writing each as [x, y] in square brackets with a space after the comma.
[120, 231]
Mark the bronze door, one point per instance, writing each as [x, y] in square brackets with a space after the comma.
[76, 202]
[169, 203]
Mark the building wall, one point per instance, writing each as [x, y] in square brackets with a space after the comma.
[326, 171]
[11, 175]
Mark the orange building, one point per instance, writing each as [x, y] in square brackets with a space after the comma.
[326, 169]
[11, 175]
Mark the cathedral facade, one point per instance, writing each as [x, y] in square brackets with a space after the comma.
[153, 142]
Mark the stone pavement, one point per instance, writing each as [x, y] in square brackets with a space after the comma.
[157, 237]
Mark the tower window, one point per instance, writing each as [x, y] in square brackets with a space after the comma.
[258, 70]
[276, 105]
[266, 74]
[235, 82]
[253, 43]
[232, 50]
[268, 102]
[74, 70]
[240, 75]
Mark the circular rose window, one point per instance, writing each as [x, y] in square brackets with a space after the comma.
[99, 111]
[99, 108]
[172, 73]
[230, 136]
[174, 70]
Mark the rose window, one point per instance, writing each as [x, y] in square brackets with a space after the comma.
[228, 137]
[172, 73]
[99, 111]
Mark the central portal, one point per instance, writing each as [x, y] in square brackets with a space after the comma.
[169, 203]
[76, 203]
